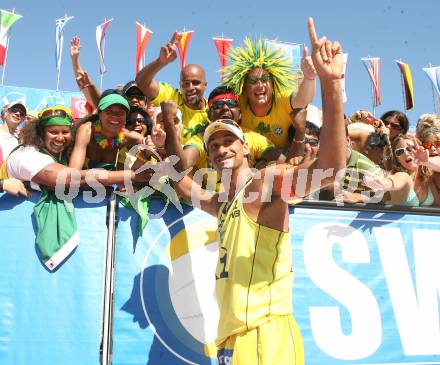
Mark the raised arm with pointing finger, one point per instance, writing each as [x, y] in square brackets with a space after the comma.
[145, 78]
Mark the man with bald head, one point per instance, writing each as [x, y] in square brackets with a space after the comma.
[193, 84]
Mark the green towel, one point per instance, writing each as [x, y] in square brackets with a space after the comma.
[57, 232]
[142, 208]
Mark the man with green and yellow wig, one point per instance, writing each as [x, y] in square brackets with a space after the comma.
[268, 89]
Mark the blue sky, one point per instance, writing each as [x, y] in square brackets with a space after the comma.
[387, 29]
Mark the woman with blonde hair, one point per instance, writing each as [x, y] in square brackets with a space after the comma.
[410, 182]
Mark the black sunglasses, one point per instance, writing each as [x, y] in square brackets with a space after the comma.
[311, 141]
[218, 104]
[14, 109]
[392, 125]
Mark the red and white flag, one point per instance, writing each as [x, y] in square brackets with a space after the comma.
[7, 19]
[223, 46]
[143, 35]
[373, 68]
[101, 30]
[183, 46]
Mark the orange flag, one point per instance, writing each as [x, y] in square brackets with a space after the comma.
[223, 46]
[183, 45]
[143, 36]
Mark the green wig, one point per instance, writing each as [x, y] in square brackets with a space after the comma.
[259, 54]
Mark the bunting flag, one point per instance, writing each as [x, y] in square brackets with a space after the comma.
[223, 46]
[434, 75]
[143, 36]
[407, 84]
[183, 46]
[291, 50]
[59, 39]
[101, 30]
[7, 19]
[373, 68]
[344, 94]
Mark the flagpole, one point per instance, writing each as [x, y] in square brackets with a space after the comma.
[434, 101]
[58, 79]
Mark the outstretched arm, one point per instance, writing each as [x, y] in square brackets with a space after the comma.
[145, 77]
[307, 88]
[328, 60]
[87, 87]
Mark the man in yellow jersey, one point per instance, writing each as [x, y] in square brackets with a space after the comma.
[222, 104]
[263, 78]
[192, 85]
[254, 269]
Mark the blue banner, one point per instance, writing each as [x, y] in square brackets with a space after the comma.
[37, 99]
[50, 317]
[366, 287]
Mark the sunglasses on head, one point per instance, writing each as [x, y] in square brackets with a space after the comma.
[16, 109]
[428, 145]
[392, 125]
[255, 79]
[400, 151]
[219, 104]
[58, 112]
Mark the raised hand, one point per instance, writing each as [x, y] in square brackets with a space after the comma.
[327, 56]
[420, 155]
[307, 67]
[75, 47]
[169, 111]
[298, 118]
[168, 52]
[158, 135]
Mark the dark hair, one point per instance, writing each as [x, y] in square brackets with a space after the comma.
[110, 91]
[136, 110]
[312, 128]
[220, 90]
[401, 117]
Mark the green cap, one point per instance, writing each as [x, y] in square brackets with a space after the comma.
[113, 99]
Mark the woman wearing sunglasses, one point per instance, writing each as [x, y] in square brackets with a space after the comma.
[397, 123]
[410, 182]
[430, 139]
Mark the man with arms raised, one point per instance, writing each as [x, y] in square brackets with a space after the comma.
[263, 78]
[192, 85]
[254, 274]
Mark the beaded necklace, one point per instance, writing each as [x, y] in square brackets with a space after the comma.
[105, 142]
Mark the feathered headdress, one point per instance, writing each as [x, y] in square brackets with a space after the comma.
[259, 54]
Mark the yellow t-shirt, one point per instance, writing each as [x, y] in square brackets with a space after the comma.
[275, 124]
[190, 117]
[254, 271]
[256, 142]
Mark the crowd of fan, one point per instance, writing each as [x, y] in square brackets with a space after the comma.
[385, 164]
